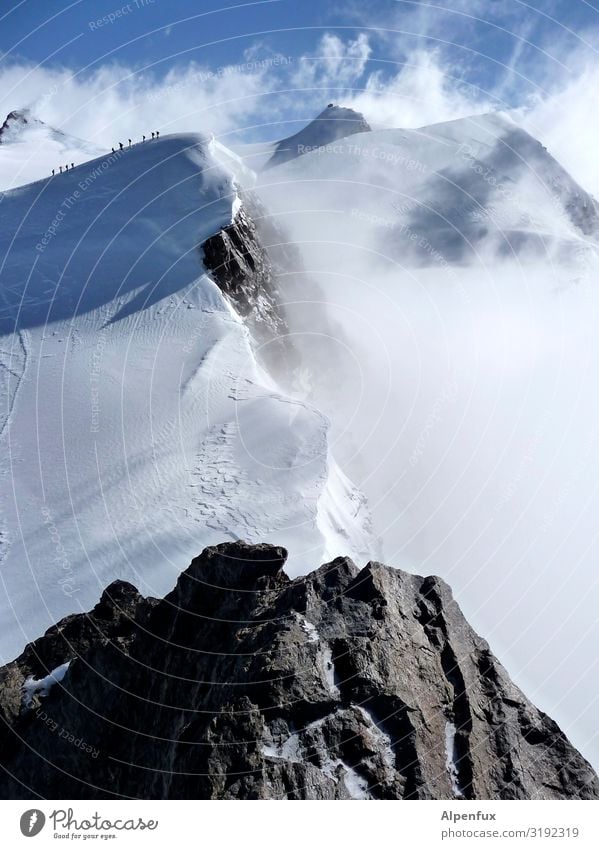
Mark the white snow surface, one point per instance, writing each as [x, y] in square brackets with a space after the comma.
[448, 193]
[451, 759]
[136, 427]
[309, 629]
[42, 686]
[30, 149]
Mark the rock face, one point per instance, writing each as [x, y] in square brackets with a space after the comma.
[303, 348]
[244, 684]
[242, 269]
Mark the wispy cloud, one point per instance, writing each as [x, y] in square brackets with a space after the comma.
[378, 72]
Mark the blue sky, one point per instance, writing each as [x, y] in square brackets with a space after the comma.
[482, 37]
[106, 66]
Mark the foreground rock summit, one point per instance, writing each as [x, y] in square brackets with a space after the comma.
[244, 684]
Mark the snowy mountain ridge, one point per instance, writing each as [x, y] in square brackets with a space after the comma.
[449, 193]
[30, 149]
[438, 288]
[136, 420]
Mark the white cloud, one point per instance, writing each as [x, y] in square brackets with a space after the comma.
[335, 64]
[421, 92]
[423, 87]
[118, 102]
[568, 125]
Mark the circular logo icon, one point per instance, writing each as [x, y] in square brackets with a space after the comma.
[32, 822]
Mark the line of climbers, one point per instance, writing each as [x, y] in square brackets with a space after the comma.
[155, 135]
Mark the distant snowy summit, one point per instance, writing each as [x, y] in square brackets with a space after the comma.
[479, 188]
[30, 149]
[333, 123]
[14, 123]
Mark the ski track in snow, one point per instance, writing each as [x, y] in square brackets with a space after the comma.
[13, 364]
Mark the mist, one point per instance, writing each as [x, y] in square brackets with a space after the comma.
[463, 403]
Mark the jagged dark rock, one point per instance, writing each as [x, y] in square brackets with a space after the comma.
[296, 339]
[242, 269]
[244, 684]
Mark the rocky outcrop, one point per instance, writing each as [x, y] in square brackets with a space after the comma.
[244, 684]
[295, 338]
[242, 269]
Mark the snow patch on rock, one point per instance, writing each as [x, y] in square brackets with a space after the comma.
[42, 686]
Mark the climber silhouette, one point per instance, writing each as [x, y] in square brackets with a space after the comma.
[72, 164]
[60, 166]
[129, 142]
[121, 145]
[143, 138]
[113, 150]
[53, 172]
[157, 133]
[152, 135]
[66, 167]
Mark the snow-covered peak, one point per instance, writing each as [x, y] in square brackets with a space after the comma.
[448, 192]
[15, 123]
[30, 149]
[333, 123]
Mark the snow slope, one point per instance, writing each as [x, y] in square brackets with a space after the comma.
[333, 123]
[30, 149]
[136, 426]
[471, 189]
